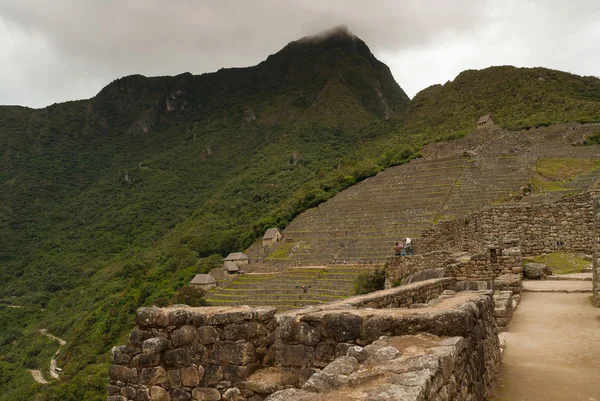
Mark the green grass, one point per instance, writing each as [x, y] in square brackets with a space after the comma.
[282, 252]
[560, 262]
[552, 174]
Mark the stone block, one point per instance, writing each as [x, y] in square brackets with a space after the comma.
[207, 335]
[174, 378]
[122, 355]
[159, 394]
[241, 331]
[212, 375]
[183, 336]
[307, 334]
[145, 361]
[234, 353]
[376, 326]
[180, 394]
[151, 317]
[152, 376]
[295, 355]
[138, 336]
[180, 317]
[206, 394]
[128, 392]
[123, 374]
[228, 317]
[236, 374]
[343, 326]
[233, 394]
[189, 376]
[177, 357]
[324, 353]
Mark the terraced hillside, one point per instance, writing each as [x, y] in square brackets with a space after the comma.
[289, 288]
[454, 178]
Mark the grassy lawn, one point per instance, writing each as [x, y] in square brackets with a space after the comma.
[560, 262]
[551, 174]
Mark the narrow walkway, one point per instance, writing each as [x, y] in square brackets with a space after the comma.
[552, 350]
[38, 377]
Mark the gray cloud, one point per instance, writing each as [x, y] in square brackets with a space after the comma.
[69, 49]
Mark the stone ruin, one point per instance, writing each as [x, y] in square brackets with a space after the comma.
[422, 341]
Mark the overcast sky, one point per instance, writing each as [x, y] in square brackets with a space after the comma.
[59, 50]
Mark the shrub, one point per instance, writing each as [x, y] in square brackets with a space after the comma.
[369, 282]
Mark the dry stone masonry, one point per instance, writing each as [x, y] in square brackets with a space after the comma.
[422, 341]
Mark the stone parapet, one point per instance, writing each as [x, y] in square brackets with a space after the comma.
[181, 352]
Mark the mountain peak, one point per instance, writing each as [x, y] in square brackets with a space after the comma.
[339, 32]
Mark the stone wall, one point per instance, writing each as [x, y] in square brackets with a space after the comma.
[488, 265]
[180, 353]
[309, 341]
[183, 353]
[400, 267]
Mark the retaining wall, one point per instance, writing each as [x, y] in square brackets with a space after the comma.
[565, 225]
[184, 353]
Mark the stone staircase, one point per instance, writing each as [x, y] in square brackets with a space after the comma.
[289, 288]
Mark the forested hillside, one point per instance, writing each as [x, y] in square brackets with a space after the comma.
[115, 202]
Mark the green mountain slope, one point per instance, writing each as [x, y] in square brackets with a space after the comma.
[115, 202]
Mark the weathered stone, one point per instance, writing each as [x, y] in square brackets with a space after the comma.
[207, 335]
[441, 323]
[342, 326]
[159, 394]
[190, 376]
[212, 375]
[286, 327]
[307, 334]
[198, 354]
[183, 336]
[376, 326]
[113, 390]
[122, 373]
[143, 394]
[151, 376]
[177, 357]
[305, 374]
[137, 337]
[238, 373]
[265, 314]
[174, 378]
[145, 361]
[256, 397]
[206, 394]
[534, 271]
[122, 355]
[154, 345]
[381, 355]
[343, 365]
[394, 392]
[180, 317]
[128, 392]
[341, 349]
[233, 394]
[180, 394]
[151, 317]
[199, 317]
[234, 353]
[324, 353]
[291, 394]
[242, 331]
[116, 398]
[295, 355]
[228, 317]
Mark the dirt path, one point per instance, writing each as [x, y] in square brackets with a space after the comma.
[552, 350]
[37, 376]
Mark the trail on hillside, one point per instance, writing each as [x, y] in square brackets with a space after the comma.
[37, 376]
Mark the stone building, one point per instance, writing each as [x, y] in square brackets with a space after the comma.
[231, 268]
[485, 121]
[204, 281]
[272, 236]
[237, 257]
